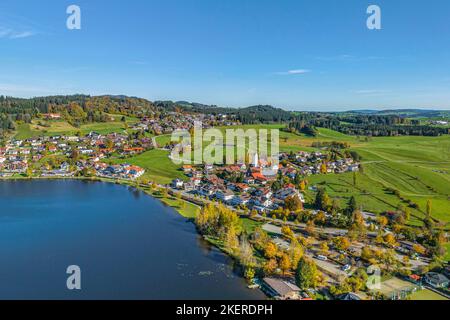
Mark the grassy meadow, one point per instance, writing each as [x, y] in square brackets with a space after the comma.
[59, 127]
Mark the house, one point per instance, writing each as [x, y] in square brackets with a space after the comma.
[242, 187]
[225, 195]
[436, 280]
[262, 202]
[135, 172]
[259, 177]
[177, 184]
[240, 200]
[350, 296]
[132, 151]
[51, 116]
[281, 289]
[283, 194]
[187, 169]
[249, 180]
[353, 168]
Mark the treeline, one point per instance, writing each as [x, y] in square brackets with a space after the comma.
[301, 127]
[17, 109]
[386, 130]
[76, 109]
[249, 115]
[368, 125]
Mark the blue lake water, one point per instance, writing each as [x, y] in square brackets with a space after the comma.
[127, 244]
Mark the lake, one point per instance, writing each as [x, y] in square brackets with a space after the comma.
[127, 244]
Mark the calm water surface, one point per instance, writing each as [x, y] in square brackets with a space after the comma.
[128, 246]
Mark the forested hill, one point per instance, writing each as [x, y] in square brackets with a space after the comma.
[81, 109]
[76, 109]
[247, 115]
[409, 113]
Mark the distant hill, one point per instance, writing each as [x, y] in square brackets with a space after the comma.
[247, 115]
[410, 113]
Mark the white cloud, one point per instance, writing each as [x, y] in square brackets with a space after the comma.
[139, 62]
[294, 72]
[8, 33]
[20, 35]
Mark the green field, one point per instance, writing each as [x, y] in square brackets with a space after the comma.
[186, 209]
[158, 167]
[427, 295]
[52, 128]
[447, 256]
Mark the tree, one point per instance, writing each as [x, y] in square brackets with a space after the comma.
[354, 179]
[321, 218]
[293, 203]
[352, 206]
[231, 241]
[29, 172]
[382, 221]
[322, 201]
[287, 232]
[390, 240]
[341, 243]
[75, 155]
[295, 252]
[428, 212]
[302, 185]
[324, 248]
[419, 249]
[323, 168]
[249, 274]
[310, 228]
[307, 276]
[270, 267]
[271, 250]
[246, 257]
[285, 263]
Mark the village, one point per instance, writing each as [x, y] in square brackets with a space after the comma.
[77, 155]
[251, 185]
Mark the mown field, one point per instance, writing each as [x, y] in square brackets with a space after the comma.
[427, 295]
[56, 127]
[159, 168]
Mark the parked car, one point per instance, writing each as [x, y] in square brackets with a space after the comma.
[321, 257]
[346, 268]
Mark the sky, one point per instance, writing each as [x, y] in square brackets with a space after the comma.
[294, 54]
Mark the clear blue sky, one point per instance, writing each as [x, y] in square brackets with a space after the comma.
[295, 54]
